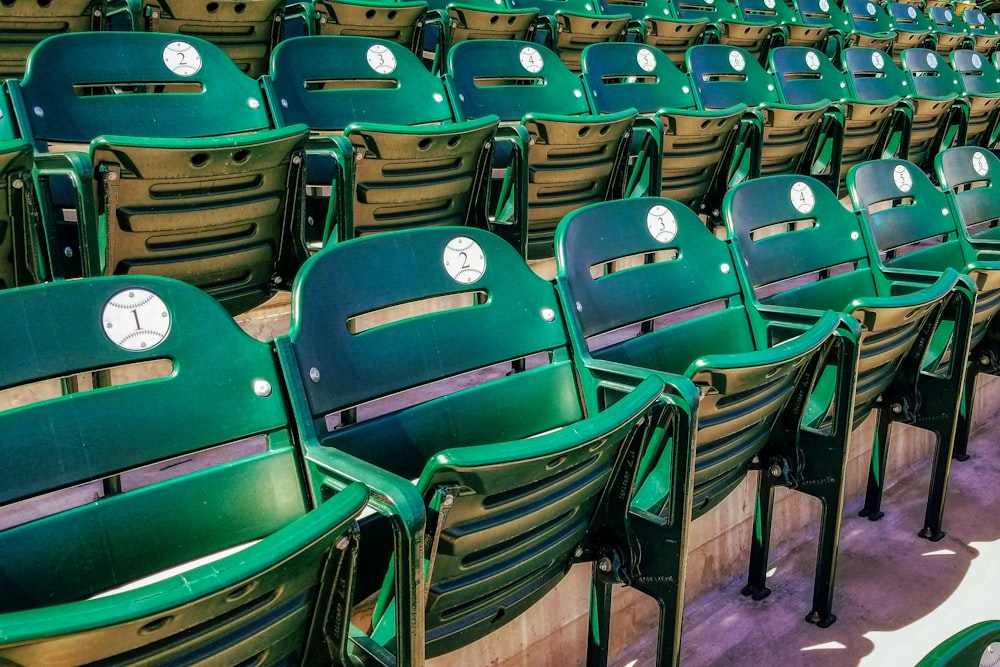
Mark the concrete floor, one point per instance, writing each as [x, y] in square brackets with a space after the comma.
[897, 596]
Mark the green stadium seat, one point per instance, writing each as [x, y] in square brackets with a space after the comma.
[246, 31]
[790, 31]
[950, 30]
[163, 519]
[648, 289]
[456, 22]
[828, 14]
[511, 466]
[21, 258]
[728, 25]
[400, 21]
[25, 24]
[896, 201]
[560, 155]
[174, 164]
[790, 134]
[657, 23]
[569, 26]
[800, 252]
[386, 152]
[805, 76]
[871, 25]
[940, 108]
[697, 145]
[984, 32]
[980, 81]
[914, 29]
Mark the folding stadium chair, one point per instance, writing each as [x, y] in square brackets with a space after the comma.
[697, 146]
[950, 30]
[871, 24]
[984, 32]
[805, 76]
[24, 24]
[657, 24]
[246, 31]
[980, 82]
[871, 77]
[728, 26]
[977, 644]
[828, 14]
[894, 199]
[21, 257]
[561, 156]
[522, 473]
[569, 26]
[791, 31]
[940, 110]
[124, 517]
[449, 23]
[635, 322]
[174, 166]
[798, 252]
[386, 153]
[914, 29]
[790, 134]
[966, 174]
[400, 21]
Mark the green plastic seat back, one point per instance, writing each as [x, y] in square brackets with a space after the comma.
[873, 76]
[330, 82]
[24, 24]
[102, 487]
[202, 96]
[412, 165]
[679, 276]
[980, 80]
[660, 25]
[697, 145]
[714, 12]
[246, 31]
[226, 226]
[935, 88]
[799, 247]
[574, 158]
[929, 74]
[483, 19]
[823, 13]
[576, 24]
[912, 26]
[985, 33]
[20, 258]
[510, 79]
[521, 504]
[805, 75]
[873, 26]
[969, 175]
[399, 21]
[913, 226]
[951, 30]
[724, 76]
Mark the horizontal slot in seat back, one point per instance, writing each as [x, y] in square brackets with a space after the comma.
[571, 157]
[405, 159]
[698, 145]
[173, 162]
[186, 413]
[471, 391]
[648, 287]
[801, 250]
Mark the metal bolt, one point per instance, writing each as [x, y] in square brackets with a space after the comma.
[604, 565]
[548, 314]
[314, 374]
[67, 251]
[897, 408]
[343, 542]
[775, 470]
[112, 176]
[262, 388]
[296, 159]
[984, 360]
[18, 184]
[253, 104]
[447, 501]
[578, 551]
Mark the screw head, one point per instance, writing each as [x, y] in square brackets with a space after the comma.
[314, 374]
[262, 388]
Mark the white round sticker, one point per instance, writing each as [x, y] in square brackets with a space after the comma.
[977, 62]
[135, 319]
[464, 260]
[769, 4]
[736, 60]
[979, 163]
[646, 59]
[802, 197]
[901, 177]
[870, 8]
[948, 15]
[380, 59]
[812, 60]
[531, 59]
[911, 11]
[662, 224]
[181, 58]
[932, 60]
[824, 5]
[878, 60]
